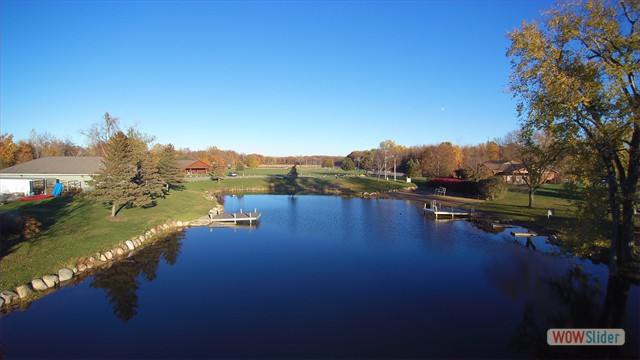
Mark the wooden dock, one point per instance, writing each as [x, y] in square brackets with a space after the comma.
[228, 219]
[448, 212]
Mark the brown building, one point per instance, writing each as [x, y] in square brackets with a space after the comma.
[194, 167]
[514, 173]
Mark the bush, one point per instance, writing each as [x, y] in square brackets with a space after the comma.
[455, 185]
[492, 188]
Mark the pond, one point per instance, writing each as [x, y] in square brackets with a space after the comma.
[329, 277]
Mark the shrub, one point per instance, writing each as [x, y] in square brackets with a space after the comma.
[455, 185]
[492, 188]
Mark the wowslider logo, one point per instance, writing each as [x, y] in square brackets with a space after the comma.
[614, 337]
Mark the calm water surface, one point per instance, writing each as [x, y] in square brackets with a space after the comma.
[332, 278]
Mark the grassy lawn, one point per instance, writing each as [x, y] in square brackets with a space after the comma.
[73, 227]
[514, 207]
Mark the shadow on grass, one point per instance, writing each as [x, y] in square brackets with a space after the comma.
[27, 220]
[289, 186]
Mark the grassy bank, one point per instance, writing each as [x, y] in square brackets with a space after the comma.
[73, 227]
[327, 184]
[514, 207]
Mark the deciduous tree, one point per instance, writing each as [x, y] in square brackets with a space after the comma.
[575, 76]
[328, 163]
[538, 152]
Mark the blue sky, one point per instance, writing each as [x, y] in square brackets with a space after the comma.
[277, 78]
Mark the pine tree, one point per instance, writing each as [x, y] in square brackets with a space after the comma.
[115, 184]
[150, 181]
[168, 167]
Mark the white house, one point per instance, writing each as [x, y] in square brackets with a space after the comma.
[40, 174]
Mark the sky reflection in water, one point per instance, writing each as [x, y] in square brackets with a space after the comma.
[328, 277]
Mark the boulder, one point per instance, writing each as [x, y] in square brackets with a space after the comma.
[50, 280]
[9, 296]
[165, 226]
[82, 267]
[142, 238]
[24, 291]
[74, 269]
[65, 274]
[179, 223]
[108, 255]
[137, 243]
[92, 259]
[103, 257]
[130, 245]
[119, 251]
[38, 285]
[154, 230]
[89, 265]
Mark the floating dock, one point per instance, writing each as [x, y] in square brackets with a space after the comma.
[228, 219]
[448, 212]
[236, 217]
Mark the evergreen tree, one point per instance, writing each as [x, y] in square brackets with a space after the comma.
[150, 181]
[168, 167]
[293, 173]
[116, 182]
[413, 168]
[347, 164]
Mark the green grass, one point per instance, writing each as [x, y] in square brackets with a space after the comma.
[514, 207]
[73, 227]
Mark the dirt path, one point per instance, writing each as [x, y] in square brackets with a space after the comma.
[425, 197]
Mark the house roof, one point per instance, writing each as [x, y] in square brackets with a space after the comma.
[503, 167]
[57, 165]
[186, 164]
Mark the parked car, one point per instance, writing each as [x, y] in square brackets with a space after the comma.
[233, 174]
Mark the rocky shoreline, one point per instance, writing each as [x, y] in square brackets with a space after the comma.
[46, 284]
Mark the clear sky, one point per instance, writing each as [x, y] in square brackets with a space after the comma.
[276, 78]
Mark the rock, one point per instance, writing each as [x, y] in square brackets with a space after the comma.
[165, 226]
[39, 285]
[74, 269]
[50, 280]
[9, 296]
[89, 265]
[142, 238]
[82, 267]
[137, 243]
[65, 274]
[153, 230]
[109, 255]
[92, 259]
[119, 251]
[179, 223]
[103, 257]
[1, 302]
[130, 245]
[24, 291]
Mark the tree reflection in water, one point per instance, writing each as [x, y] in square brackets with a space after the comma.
[120, 281]
[577, 302]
